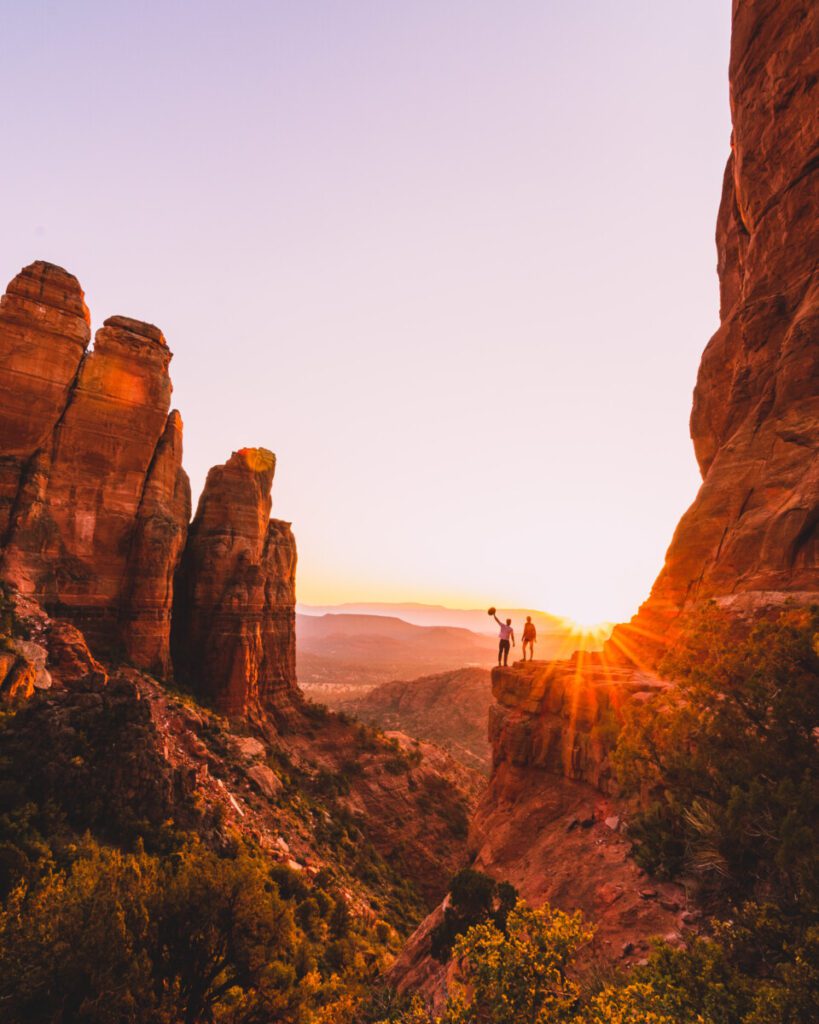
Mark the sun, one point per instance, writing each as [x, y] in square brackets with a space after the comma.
[596, 632]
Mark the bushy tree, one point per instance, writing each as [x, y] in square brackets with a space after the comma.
[134, 938]
[520, 976]
[473, 898]
[730, 759]
[754, 970]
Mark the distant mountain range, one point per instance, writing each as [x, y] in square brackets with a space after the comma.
[356, 652]
[345, 650]
[475, 619]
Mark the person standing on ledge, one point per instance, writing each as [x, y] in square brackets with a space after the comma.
[529, 637]
[506, 634]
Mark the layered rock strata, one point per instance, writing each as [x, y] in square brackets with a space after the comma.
[94, 499]
[95, 506]
[750, 538]
[234, 617]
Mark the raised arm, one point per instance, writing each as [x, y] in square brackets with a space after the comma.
[495, 617]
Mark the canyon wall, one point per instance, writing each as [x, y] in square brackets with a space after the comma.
[749, 539]
[95, 505]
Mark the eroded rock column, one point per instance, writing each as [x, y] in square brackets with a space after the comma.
[234, 612]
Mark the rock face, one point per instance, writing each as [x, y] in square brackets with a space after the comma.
[95, 502]
[44, 331]
[234, 617]
[95, 506]
[750, 538]
[550, 821]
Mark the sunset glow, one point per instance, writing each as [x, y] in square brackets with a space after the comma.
[421, 266]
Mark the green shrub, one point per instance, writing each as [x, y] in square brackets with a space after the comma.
[730, 760]
[474, 898]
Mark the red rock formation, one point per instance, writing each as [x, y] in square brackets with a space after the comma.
[156, 549]
[44, 331]
[95, 505]
[91, 473]
[750, 538]
[550, 821]
[234, 613]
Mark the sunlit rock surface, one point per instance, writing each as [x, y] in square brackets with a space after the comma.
[750, 538]
[234, 619]
[95, 506]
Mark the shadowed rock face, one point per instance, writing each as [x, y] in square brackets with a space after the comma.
[750, 538]
[159, 536]
[234, 616]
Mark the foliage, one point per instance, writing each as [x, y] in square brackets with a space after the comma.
[755, 970]
[517, 975]
[473, 899]
[189, 937]
[730, 759]
[520, 974]
[134, 937]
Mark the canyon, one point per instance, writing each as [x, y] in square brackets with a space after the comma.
[552, 820]
[148, 655]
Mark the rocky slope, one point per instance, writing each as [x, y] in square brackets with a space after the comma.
[449, 709]
[119, 753]
[551, 821]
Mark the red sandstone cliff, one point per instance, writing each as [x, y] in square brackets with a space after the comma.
[234, 616]
[750, 538]
[89, 455]
[95, 505]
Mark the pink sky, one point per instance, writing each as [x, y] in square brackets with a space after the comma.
[452, 261]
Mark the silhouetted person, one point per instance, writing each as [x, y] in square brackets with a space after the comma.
[506, 634]
[529, 637]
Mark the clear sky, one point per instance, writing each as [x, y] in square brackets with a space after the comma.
[452, 260]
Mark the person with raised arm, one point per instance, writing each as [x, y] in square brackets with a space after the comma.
[506, 635]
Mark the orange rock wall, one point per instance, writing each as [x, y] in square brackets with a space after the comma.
[551, 820]
[750, 537]
[90, 457]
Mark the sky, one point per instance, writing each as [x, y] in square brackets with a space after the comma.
[452, 260]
